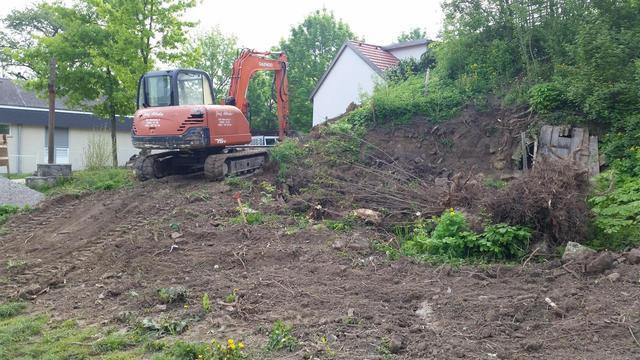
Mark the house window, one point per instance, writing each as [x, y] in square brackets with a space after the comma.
[5, 129]
[61, 142]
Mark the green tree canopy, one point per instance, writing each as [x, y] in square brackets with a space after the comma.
[310, 47]
[213, 52]
[413, 34]
[102, 48]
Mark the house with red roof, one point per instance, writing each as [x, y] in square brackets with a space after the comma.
[355, 71]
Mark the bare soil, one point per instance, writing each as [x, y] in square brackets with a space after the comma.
[102, 257]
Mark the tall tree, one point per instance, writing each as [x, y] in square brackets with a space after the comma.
[213, 52]
[413, 34]
[102, 47]
[310, 47]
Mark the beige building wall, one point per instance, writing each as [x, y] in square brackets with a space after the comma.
[26, 146]
[79, 140]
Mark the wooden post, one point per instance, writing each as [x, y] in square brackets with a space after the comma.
[4, 154]
[52, 112]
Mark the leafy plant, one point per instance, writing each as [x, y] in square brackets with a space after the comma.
[281, 338]
[172, 294]
[451, 238]
[616, 206]
[206, 305]
[164, 326]
[285, 153]
[6, 211]
[231, 297]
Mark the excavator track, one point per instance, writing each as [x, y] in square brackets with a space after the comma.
[217, 166]
[238, 163]
[152, 166]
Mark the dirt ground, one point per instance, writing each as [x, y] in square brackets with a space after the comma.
[102, 257]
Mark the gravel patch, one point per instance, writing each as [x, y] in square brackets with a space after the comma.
[12, 193]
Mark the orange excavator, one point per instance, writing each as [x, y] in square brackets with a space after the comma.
[176, 112]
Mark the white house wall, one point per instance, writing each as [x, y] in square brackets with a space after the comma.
[348, 79]
[409, 52]
[32, 146]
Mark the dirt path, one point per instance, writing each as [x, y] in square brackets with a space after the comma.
[103, 256]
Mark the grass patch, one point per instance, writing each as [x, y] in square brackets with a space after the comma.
[93, 180]
[36, 337]
[238, 183]
[11, 309]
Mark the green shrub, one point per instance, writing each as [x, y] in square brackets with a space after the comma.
[449, 237]
[6, 211]
[616, 206]
[280, 338]
[546, 97]
[286, 153]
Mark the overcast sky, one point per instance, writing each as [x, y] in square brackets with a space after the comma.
[260, 24]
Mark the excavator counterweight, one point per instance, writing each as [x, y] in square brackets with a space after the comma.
[176, 112]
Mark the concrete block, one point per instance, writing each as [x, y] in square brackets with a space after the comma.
[40, 182]
[54, 170]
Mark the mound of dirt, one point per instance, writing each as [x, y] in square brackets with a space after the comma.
[102, 258]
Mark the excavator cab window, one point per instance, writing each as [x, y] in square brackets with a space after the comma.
[193, 89]
[158, 90]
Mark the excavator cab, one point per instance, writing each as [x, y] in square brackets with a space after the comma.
[174, 87]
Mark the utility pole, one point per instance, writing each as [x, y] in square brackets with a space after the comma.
[52, 111]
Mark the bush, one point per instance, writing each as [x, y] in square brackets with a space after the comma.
[286, 153]
[616, 206]
[6, 211]
[97, 153]
[546, 97]
[451, 238]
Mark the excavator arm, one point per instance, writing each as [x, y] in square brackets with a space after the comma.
[249, 62]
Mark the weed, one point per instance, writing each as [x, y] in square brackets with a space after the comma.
[172, 295]
[285, 154]
[231, 297]
[93, 180]
[341, 225]
[253, 217]
[616, 205]
[97, 153]
[267, 187]
[393, 253]
[113, 342]
[452, 239]
[6, 211]
[163, 326]
[236, 182]
[384, 349]
[198, 196]
[15, 264]
[174, 227]
[281, 338]
[206, 305]
[232, 350]
[495, 183]
[11, 309]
